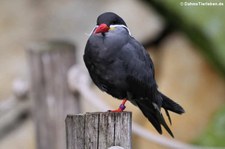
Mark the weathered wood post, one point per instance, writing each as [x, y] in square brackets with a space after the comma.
[52, 99]
[98, 130]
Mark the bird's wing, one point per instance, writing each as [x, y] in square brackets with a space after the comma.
[139, 67]
[142, 84]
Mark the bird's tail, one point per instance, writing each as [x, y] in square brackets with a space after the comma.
[169, 104]
[152, 111]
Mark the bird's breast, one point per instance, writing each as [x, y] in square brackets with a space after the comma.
[111, 40]
[103, 53]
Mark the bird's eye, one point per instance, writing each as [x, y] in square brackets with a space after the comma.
[114, 22]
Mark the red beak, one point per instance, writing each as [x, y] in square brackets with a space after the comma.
[102, 28]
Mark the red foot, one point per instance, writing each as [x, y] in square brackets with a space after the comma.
[121, 107]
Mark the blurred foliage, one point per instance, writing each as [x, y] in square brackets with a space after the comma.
[203, 25]
[206, 18]
[215, 133]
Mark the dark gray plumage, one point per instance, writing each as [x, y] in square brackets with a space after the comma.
[119, 65]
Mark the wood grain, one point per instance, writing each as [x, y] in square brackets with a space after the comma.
[99, 130]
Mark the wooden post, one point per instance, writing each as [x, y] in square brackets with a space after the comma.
[98, 130]
[52, 99]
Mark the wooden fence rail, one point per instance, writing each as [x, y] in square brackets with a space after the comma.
[99, 130]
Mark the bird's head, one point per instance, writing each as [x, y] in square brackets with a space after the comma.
[106, 19]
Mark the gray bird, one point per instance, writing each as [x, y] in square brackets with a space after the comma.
[119, 65]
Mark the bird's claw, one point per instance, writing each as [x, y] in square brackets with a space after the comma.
[121, 108]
